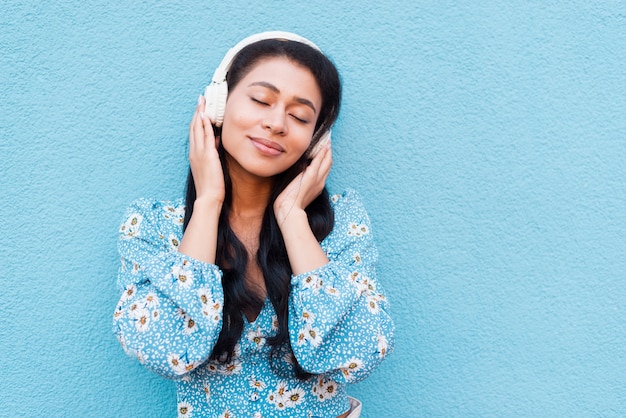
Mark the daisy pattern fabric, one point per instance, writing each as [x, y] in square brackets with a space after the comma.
[170, 315]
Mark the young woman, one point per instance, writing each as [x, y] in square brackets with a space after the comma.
[258, 292]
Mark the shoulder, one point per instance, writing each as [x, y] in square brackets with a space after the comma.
[153, 212]
[351, 216]
[348, 205]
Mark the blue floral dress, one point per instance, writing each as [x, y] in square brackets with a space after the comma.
[170, 315]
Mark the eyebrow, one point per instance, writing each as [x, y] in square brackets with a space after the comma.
[275, 89]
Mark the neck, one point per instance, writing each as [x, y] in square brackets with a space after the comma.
[250, 194]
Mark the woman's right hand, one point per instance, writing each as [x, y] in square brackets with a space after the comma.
[204, 160]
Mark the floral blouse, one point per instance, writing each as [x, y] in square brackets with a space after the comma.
[170, 315]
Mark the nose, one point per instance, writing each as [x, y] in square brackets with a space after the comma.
[275, 120]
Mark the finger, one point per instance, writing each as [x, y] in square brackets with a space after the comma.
[192, 138]
[209, 136]
[322, 160]
[327, 161]
[192, 124]
[198, 127]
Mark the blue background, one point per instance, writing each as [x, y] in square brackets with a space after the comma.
[487, 140]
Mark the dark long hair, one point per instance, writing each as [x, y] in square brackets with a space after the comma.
[271, 257]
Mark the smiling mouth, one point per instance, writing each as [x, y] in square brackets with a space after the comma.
[265, 146]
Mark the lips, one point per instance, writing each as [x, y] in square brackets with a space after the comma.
[266, 146]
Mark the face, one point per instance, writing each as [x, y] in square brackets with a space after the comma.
[270, 117]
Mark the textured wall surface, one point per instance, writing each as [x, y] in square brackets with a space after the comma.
[488, 142]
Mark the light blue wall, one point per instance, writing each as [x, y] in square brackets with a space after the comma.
[488, 142]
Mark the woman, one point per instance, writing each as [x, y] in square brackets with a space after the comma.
[257, 294]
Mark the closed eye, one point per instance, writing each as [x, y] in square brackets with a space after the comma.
[303, 121]
[259, 101]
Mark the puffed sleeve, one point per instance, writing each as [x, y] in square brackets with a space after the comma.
[338, 314]
[170, 311]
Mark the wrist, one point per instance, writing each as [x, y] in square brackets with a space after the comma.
[289, 215]
[207, 205]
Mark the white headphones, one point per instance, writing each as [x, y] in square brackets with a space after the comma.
[216, 93]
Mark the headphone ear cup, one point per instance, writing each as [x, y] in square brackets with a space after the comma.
[215, 95]
[323, 141]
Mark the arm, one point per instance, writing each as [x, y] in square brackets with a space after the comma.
[303, 250]
[169, 315]
[338, 318]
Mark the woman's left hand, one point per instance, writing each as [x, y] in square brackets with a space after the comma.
[305, 187]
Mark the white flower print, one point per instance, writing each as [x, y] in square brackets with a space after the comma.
[142, 318]
[357, 230]
[357, 258]
[173, 242]
[184, 410]
[329, 389]
[312, 282]
[256, 337]
[190, 325]
[226, 414]
[278, 399]
[213, 311]
[132, 308]
[130, 228]
[129, 292]
[382, 346]
[301, 337]
[207, 391]
[351, 367]
[174, 214]
[183, 276]
[232, 368]
[119, 313]
[310, 334]
[205, 296]
[275, 323]
[212, 367]
[256, 384]
[151, 300]
[283, 397]
[372, 304]
[360, 282]
[335, 198]
[281, 403]
[332, 291]
[281, 388]
[308, 317]
[135, 269]
[178, 365]
[294, 397]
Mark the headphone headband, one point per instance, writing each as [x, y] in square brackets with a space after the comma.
[217, 92]
[221, 71]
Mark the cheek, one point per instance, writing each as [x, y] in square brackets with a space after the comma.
[232, 127]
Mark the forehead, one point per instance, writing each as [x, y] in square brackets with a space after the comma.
[291, 78]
